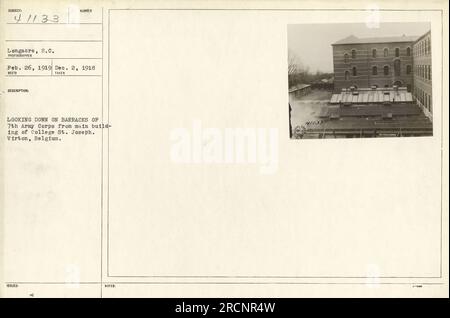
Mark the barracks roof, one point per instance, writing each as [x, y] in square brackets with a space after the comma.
[355, 40]
[372, 95]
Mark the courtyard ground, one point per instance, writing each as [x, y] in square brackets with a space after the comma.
[308, 107]
[317, 94]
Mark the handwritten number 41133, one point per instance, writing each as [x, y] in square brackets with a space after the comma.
[36, 18]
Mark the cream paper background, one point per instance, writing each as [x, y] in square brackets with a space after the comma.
[344, 217]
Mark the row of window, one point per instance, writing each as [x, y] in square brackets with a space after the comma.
[423, 47]
[375, 54]
[397, 70]
[398, 83]
[423, 98]
[423, 71]
[386, 70]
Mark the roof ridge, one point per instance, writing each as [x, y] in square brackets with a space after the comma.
[352, 39]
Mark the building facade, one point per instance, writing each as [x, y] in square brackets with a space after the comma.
[378, 62]
[422, 73]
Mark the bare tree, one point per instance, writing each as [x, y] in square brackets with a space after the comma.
[299, 73]
[294, 64]
[296, 70]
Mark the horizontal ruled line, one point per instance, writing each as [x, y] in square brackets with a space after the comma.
[92, 23]
[226, 283]
[53, 40]
[53, 58]
[266, 9]
[53, 75]
[268, 277]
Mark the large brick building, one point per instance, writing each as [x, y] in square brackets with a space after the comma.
[367, 62]
[422, 73]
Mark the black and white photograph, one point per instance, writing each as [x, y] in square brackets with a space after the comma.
[353, 80]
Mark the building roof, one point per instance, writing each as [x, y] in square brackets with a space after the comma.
[372, 95]
[419, 126]
[401, 109]
[423, 35]
[355, 40]
[298, 87]
[379, 120]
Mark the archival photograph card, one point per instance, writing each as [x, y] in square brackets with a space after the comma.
[224, 149]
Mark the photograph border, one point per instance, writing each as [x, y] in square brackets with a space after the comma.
[256, 276]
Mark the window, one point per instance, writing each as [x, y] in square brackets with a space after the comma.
[397, 68]
[374, 53]
[374, 70]
[408, 69]
[354, 71]
[386, 70]
[347, 75]
[353, 54]
[386, 52]
[408, 51]
[345, 58]
[397, 52]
